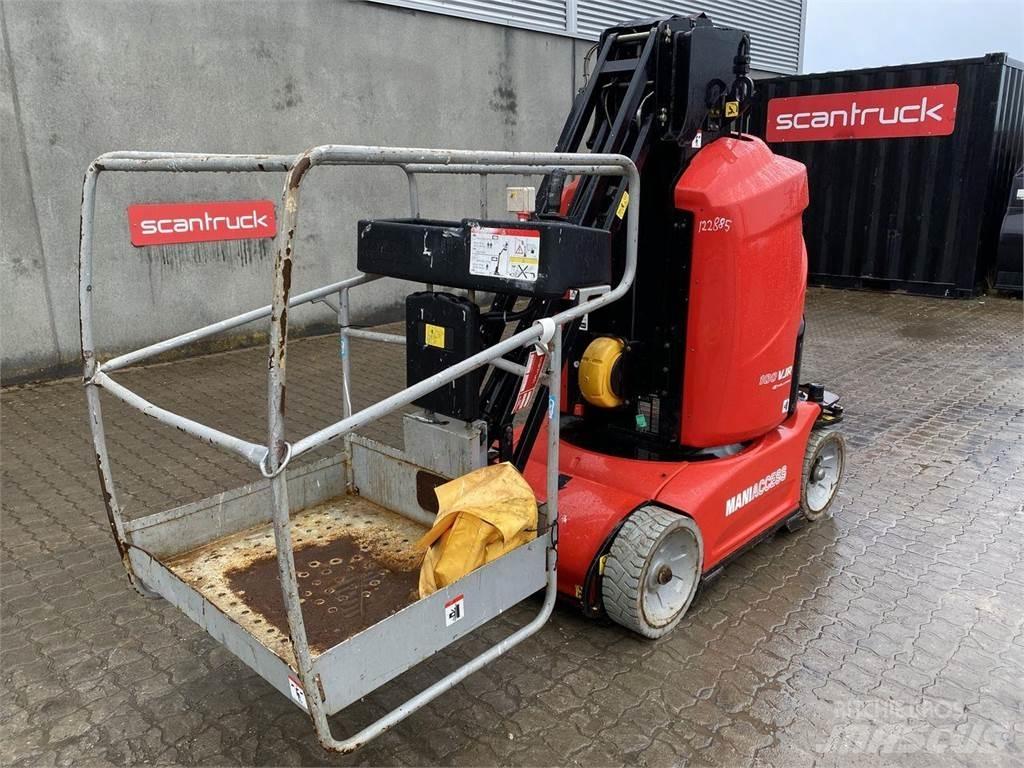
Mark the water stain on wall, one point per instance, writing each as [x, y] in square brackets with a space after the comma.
[504, 100]
[287, 96]
[236, 252]
[262, 51]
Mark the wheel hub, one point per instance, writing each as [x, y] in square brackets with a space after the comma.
[671, 577]
[664, 575]
[823, 480]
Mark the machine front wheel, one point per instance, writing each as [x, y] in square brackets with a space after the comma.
[652, 571]
[824, 464]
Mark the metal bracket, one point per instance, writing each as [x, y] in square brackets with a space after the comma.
[280, 467]
[547, 332]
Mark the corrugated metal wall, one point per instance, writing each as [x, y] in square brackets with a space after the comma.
[542, 15]
[775, 28]
[920, 214]
[1007, 155]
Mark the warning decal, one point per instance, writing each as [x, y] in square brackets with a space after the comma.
[298, 695]
[434, 335]
[511, 254]
[623, 204]
[534, 368]
[454, 610]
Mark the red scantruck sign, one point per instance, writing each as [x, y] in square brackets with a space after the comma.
[163, 223]
[928, 110]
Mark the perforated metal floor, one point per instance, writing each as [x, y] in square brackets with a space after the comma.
[356, 564]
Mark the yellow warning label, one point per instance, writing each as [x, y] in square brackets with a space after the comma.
[520, 257]
[623, 205]
[434, 336]
[732, 109]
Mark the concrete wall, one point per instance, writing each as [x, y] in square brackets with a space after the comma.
[82, 78]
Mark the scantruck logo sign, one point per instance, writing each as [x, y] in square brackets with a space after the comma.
[928, 110]
[163, 223]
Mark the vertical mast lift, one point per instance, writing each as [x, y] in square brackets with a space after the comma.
[657, 444]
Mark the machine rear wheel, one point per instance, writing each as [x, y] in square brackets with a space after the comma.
[652, 571]
[824, 464]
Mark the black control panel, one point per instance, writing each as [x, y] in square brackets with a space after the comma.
[537, 257]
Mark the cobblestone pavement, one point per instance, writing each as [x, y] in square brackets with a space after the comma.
[894, 632]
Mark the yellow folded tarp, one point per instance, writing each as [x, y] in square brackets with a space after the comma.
[480, 517]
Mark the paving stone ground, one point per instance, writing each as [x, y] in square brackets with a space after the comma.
[890, 634]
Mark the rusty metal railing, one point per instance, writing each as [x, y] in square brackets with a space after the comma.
[273, 458]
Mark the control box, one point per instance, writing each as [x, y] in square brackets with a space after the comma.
[442, 329]
[537, 257]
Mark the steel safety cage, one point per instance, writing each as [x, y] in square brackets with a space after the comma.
[272, 459]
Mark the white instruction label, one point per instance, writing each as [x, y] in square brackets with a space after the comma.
[454, 610]
[298, 695]
[512, 254]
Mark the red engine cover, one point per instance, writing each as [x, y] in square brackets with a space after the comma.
[748, 272]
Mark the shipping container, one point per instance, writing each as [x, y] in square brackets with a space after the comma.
[1010, 262]
[909, 168]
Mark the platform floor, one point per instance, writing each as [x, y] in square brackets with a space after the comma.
[891, 634]
[355, 561]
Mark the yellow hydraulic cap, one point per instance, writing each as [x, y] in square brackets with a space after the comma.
[597, 374]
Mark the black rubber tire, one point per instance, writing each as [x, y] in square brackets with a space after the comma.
[626, 568]
[818, 440]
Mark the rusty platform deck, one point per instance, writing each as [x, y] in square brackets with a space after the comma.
[356, 564]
